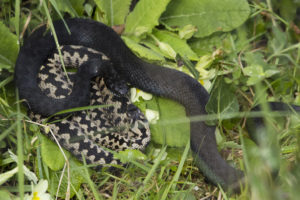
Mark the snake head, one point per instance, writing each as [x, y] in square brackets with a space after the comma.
[95, 66]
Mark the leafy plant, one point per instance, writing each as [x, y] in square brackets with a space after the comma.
[244, 53]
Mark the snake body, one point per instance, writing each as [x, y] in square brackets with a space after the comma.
[117, 127]
[148, 77]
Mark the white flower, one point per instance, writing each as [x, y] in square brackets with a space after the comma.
[196, 188]
[39, 192]
[135, 94]
[152, 116]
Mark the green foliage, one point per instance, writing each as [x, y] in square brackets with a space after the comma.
[5, 195]
[145, 16]
[173, 127]
[208, 44]
[8, 48]
[222, 99]
[178, 44]
[115, 11]
[142, 51]
[208, 15]
[76, 178]
[243, 57]
[52, 155]
[129, 155]
[73, 7]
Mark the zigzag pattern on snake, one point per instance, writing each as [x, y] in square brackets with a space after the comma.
[117, 127]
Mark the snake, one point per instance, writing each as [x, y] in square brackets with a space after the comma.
[117, 127]
[116, 58]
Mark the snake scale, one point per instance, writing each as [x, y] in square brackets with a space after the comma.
[116, 63]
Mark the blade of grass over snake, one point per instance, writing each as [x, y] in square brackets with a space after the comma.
[79, 109]
[56, 39]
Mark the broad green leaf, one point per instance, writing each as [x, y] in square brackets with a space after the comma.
[222, 99]
[54, 159]
[76, 179]
[115, 10]
[78, 6]
[166, 49]
[154, 47]
[69, 6]
[288, 9]
[187, 31]
[5, 195]
[52, 155]
[278, 41]
[271, 72]
[257, 58]
[129, 155]
[257, 69]
[145, 16]
[256, 73]
[208, 15]
[204, 62]
[179, 45]
[209, 44]
[8, 46]
[173, 127]
[142, 51]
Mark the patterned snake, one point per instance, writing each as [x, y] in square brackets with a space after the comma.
[148, 77]
[117, 127]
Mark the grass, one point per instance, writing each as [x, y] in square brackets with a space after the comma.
[255, 63]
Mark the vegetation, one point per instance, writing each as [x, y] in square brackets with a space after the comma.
[244, 52]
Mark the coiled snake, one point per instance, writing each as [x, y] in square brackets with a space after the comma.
[116, 127]
[116, 57]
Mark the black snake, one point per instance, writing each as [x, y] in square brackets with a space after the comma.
[148, 77]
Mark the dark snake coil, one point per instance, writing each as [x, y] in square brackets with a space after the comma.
[148, 77]
[117, 125]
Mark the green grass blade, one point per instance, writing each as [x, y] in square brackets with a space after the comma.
[55, 38]
[20, 149]
[178, 171]
[79, 109]
[6, 81]
[89, 181]
[150, 174]
[17, 16]
[7, 131]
